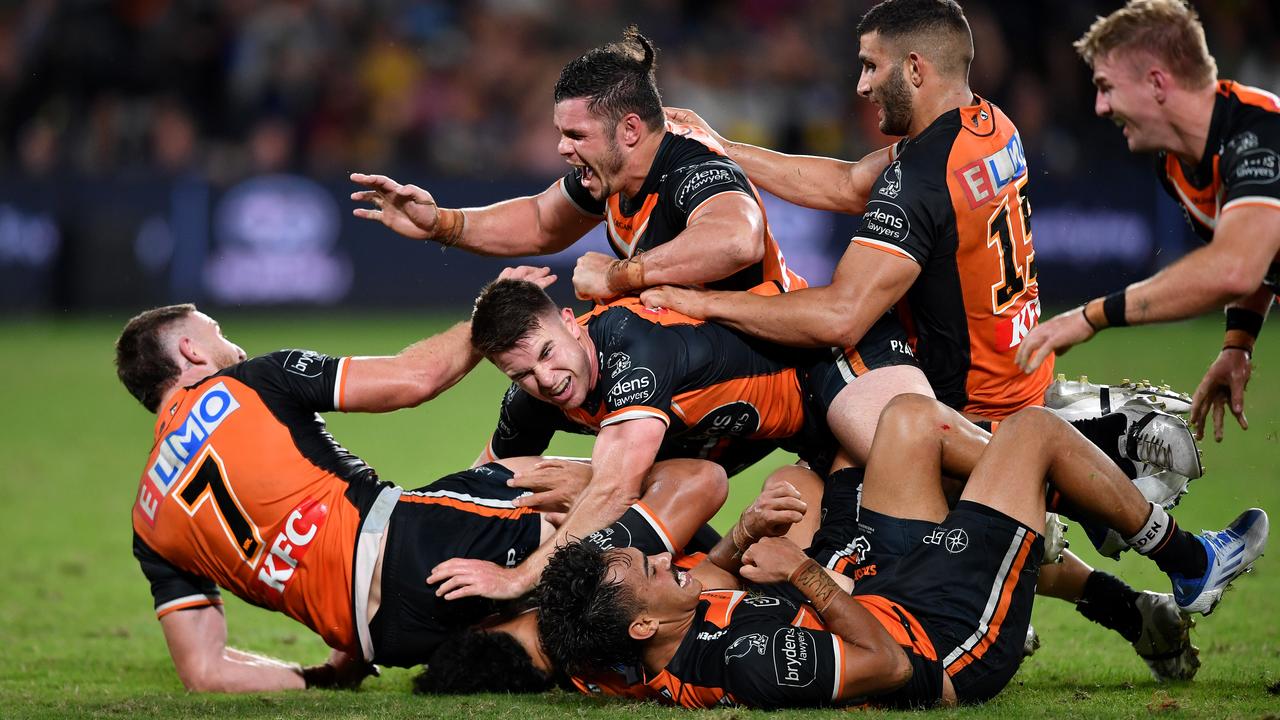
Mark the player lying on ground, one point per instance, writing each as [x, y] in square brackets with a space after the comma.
[245, 489]
[944, 626]
[657, 384]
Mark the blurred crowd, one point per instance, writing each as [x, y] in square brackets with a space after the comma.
[224, 89]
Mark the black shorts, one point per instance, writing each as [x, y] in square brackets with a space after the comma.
[468, 515]
[862, 545]
[970, 583]
[884, 345]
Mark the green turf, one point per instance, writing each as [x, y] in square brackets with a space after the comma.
[78, 637]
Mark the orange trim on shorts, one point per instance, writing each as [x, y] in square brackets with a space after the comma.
[203, 602]
[473, 508]
[653, 516]
[1002, 609]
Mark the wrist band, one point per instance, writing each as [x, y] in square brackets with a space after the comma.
[1244, 320]
[1248, 351]
[449, 226]
[1084, 313]
[736, 534]
[319, 676]
[1113, 307]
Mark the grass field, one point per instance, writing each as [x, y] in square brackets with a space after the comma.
[78, 638]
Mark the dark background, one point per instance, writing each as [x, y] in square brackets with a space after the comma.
[156, 151]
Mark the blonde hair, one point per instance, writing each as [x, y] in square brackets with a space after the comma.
[1169, 30]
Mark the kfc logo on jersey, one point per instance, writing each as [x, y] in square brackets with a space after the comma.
[745, 645]
[1260, 166]
[636, 386]
[983, 179]
[795, 660]
[291, 543]
[181, 445]
[1011, 331]
[892, 180]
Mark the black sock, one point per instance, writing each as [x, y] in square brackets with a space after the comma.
[1105, 432]
[1110, 602]
[1173, 549]
[703, 540]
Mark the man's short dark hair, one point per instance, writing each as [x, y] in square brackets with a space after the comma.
[616, 79]
[583, 619]
[475, 661]
[506, 312]
[143, 364]
[919, 25]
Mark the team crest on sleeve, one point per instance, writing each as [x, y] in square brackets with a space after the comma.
[619, 363]
[306, 363]
[892, 180]
[757, 643]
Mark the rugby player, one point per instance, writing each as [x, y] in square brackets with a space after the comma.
[245, 489]
[655, 384]
[945, 238]
[1216, 144]
[944, 625]
[676, 210]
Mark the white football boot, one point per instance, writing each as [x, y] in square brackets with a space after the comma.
[1081, 399]
[1165, 642]
[1159, 439]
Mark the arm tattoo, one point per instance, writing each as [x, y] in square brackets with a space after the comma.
[814, 582]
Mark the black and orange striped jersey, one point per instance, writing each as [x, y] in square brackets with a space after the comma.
[246, 489]
[1240, 165]
[689, 169]
[954, 200]
[723, 396]
[768, 648]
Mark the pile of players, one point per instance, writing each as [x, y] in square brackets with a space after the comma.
[895, 565]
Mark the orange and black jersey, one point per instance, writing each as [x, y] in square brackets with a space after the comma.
[1240, 165]
[768, 648]
[246, 489]
[689, 169]
[723, 396]
[954, 201]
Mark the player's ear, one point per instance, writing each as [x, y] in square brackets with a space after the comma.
[913, 70]
[1158, 81]
[570, 321]
[642, 628]
[629, 130]
[189, 351]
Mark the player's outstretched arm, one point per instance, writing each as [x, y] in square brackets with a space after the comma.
[866, 284]
[873, 662]
[623, 453]
[197, 640]
[426, 368]
[1246, 241]
[535, 225]
[722, 237]
[809, 181]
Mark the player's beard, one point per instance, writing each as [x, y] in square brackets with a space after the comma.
[609, 168]
[895, 101]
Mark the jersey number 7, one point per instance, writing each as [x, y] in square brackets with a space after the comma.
[210, 481]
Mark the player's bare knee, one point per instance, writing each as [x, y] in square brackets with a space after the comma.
[705, 481]
[914, 416]
[1028, 422]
